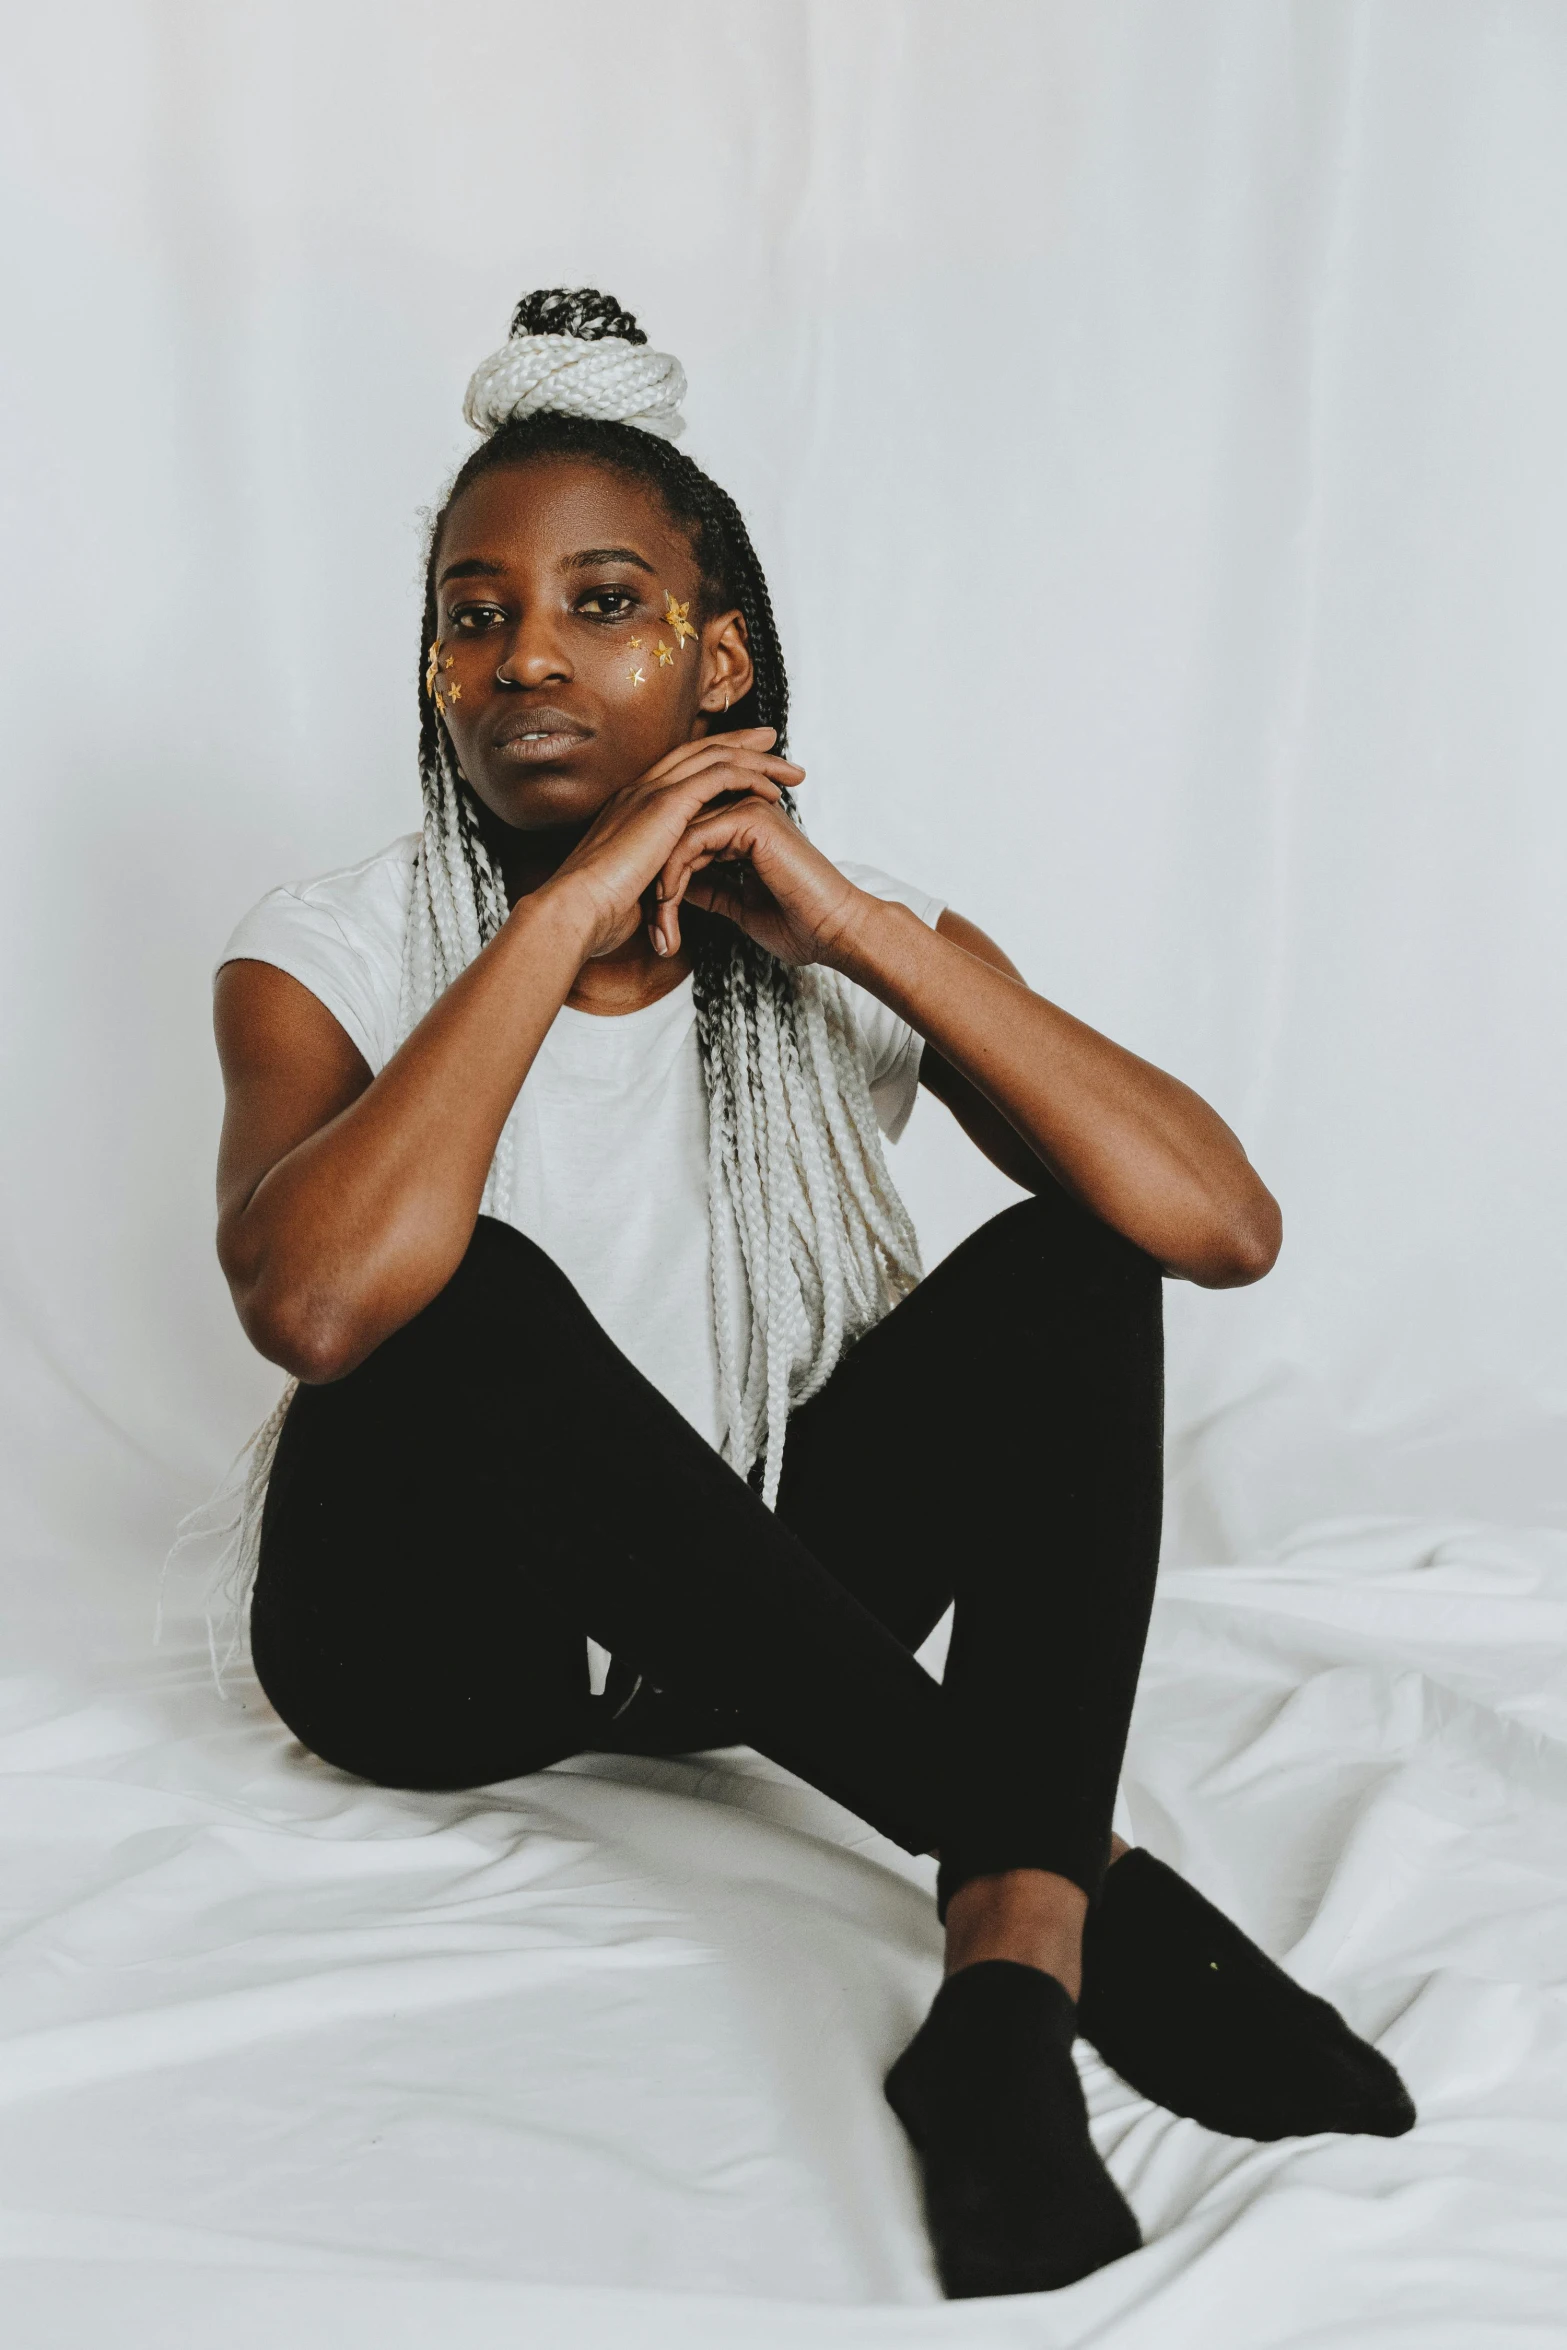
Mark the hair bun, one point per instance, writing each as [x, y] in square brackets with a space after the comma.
[575, 310]
[577, 353]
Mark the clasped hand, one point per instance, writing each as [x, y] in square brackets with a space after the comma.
[705, 826]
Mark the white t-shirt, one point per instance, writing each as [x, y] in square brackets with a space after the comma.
[610, 1128]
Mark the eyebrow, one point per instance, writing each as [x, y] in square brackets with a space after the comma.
[590, 556]
[476, 567]
[481, 566]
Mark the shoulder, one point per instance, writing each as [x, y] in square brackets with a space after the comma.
[341, 935]
[366, 904]
[878, 884]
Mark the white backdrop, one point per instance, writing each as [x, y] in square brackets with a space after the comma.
[1151, 418]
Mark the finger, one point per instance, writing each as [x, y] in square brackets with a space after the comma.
[724, 814]
[661, 813]
[707, 787]
[664, 931]
[738, 734]
[717, 750]
[722, 832]
[679, 887]
[717, 891]
[748, 738]
[713, 837]
[780, 772]
[759, 738]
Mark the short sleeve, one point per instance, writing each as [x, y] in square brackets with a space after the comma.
[306, 939]
[890, 1049]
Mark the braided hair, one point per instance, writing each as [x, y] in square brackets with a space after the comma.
[798, 1187]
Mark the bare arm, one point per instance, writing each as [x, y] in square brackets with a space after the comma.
[344, 1204]
[1043, 1095]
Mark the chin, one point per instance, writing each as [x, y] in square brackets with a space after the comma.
[546, 803]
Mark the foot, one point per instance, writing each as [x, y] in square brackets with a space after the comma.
[1016, 2197]
[1193, 2015]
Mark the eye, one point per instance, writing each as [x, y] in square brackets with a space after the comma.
[608, 603]
[469, 618]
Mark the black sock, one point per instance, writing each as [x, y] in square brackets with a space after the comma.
[1016, 2197]
[1194, 2016]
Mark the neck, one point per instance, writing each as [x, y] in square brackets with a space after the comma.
[629, 976]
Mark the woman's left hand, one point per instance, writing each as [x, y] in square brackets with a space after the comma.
[749, 863]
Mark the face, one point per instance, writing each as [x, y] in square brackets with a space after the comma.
[572, 653]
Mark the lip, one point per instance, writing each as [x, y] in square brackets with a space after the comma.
[529, 736]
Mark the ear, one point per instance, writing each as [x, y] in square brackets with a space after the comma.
[727, 672]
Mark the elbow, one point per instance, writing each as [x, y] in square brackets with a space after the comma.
[304, 1335]
[1245, 1246]
[302, 1308]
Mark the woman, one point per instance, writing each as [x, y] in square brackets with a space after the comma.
[552, 1171]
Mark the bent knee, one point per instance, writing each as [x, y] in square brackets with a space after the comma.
[1053, 1239]
[502, 1265]
[384, 1748]
[505, 1285]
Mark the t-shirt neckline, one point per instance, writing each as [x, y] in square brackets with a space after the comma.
[679, 995]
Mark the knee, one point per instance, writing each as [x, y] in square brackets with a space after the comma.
[379, 1719]
[446, 1757]
[1054, 1302]
[504, 1286]
[1052, 1247]
[500, 1261]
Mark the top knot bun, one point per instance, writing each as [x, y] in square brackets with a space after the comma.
[575, 352]
[575, 310]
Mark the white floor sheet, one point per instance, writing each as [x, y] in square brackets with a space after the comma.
[594, 2057]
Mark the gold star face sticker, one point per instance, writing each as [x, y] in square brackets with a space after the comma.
[639, 677]
[439, 704]
[666, 655]
[453, 691]
[635, 642]
[433, 668]
[675, 619]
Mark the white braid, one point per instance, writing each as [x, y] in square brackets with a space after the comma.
[612, 380]
[798, 1178]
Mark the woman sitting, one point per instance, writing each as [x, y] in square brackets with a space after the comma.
[553, 1171]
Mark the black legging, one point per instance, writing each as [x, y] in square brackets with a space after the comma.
[446, 1524]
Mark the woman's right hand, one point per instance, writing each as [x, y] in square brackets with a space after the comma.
[609, 873]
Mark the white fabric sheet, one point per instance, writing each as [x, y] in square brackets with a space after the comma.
[596, 2056]
[1151, 419]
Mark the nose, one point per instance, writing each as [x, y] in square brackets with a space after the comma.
[534, 653]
